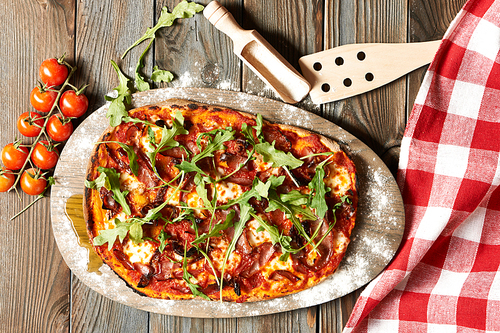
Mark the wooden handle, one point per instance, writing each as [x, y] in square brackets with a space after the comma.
[224, 21]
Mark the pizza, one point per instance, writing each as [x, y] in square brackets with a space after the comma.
[186, 200]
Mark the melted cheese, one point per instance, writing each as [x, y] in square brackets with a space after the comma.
[256, 238]
[220, 248]
[130, 183]
[340, 181]
[141, 252]
[227, 191]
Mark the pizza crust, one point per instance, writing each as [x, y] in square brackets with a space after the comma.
[96, 216]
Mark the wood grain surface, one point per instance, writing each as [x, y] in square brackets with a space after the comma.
[37, 291]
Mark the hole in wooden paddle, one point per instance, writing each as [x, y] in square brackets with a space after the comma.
[317, 66]
[347, 82]
[339, 61]
[325, 87]
[369, 77]
[361, 56]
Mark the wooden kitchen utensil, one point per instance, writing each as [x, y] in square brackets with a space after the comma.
[259, 55]
[353, 69]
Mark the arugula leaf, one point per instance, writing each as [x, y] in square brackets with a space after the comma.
[111, 181]
[140, 82]
[186, 276]
[214, 144]
[163, 237]
[343, 199]
[276, 237]
[161, 75]
[245, 210]
[134, 165]
[277, 157]
[109, 235]
[290, 211]
[167, 138]
[183, 10]
[129, 119]
[99, 182]
[294, 197]
[117, 109]
[318, 190]
[215, 232]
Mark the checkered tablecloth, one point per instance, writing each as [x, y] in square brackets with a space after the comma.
[445, 276]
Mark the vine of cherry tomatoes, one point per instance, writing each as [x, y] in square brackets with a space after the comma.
[57, 102]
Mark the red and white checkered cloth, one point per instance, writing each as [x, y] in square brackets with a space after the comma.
[445, 276]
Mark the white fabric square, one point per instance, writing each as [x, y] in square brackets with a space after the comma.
[496, 178]
[485, 39]
[424, 88]
[472, 228]
[433, 223]
[466, 99]
[441, 328]
[405, 148]
[451, 160]
[383, 325]
[494, 294]
[450, 283]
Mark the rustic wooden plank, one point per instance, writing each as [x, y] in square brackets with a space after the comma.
[173, 324]
[377, 117]
[303, 320]
[34, 284]
[293, 28]
[428, 20]
[199, 56]
[105, 29]
[197, 53]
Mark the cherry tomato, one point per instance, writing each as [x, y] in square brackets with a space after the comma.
[32, 182]
[59, 128]
[73, 105]
[45, 155]
[13, 158]
[30, 124]
[6, 180]
[42, 99]
[52, 72]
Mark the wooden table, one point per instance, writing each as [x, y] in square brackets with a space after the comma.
[38, 293]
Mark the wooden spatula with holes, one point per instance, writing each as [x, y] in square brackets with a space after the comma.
[330, 75]
[353, 69]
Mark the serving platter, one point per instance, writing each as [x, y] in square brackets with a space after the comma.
[375, 238]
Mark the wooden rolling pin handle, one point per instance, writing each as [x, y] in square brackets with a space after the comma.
[223, 20]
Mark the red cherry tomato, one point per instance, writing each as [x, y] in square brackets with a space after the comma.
[52, 72]
[42, 100]
[32, 182]
[44, 155]
[73, 105]
[6, 180]
[59, 128]
[30, 124]
[13, 158]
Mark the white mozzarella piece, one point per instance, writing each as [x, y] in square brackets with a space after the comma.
[218, 256]
[227, 191]
[256, 238]
[340, 183]
[141, 252]
[130, 183]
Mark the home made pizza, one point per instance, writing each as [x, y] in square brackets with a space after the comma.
[188, 200]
